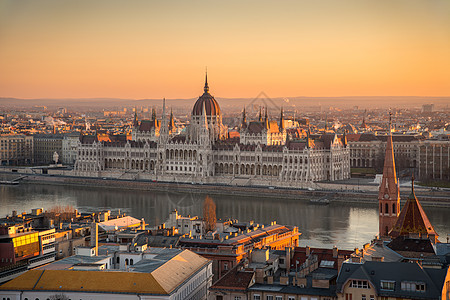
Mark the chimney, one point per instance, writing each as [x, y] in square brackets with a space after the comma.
[335, 252]
[94, 237]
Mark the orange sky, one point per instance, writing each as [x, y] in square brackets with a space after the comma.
[155, 49]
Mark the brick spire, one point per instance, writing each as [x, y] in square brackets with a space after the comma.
[389, 193]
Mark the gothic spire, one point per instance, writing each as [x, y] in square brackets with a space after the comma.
[244, 119]
[266, 119]
[281, 120]
[153, 114]
[260, 114]
[206, 88]
[344, 139]
[171, 121]
[135, 120]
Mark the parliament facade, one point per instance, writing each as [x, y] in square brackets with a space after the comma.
[264, 154]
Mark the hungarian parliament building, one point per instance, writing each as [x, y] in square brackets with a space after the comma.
[263, 154]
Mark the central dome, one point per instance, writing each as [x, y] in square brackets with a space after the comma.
[211, 106]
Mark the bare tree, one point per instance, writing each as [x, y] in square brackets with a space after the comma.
[60, 213]
[209, 214]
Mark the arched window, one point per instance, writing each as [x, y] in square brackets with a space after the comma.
[381, 208]
[386, 208]
[118, 260]
[126, 261]
[131, 262]
[393, 208]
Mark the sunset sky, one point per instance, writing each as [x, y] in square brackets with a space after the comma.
[155, 49]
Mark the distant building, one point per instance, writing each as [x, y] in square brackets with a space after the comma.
[16, 149]
[367, 150]
[434, 160]
[427, 108]
[45, 145]
[69, 148]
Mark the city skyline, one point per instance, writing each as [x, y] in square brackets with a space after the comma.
[84, 49]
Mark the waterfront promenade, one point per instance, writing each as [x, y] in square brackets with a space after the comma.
[353, 190]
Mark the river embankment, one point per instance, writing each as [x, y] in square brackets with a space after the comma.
[436, 199]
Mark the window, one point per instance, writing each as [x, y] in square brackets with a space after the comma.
[413, 286]
[372, 297]
[363, 297]
[278, 297]
[348, 296]
[219, 297]
[225, 266]
[282, 261]
[291, 298]
[269, 297]
[256, 297]
[237, 297]
[360, 284]
[387, 285]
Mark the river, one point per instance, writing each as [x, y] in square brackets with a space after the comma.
[346, 225]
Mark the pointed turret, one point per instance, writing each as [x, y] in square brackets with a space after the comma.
[244, 119]
[171, 121]
[153, 114]
[163, 131]
[281, 121]
[308, 138]
[260, 115]
[388, 193]
[413, 219]
[135, 120]
[344, 139]
[266, 119]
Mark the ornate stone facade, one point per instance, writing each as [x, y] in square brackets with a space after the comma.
[204, 154]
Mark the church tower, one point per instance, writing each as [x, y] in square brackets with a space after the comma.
[389, 193]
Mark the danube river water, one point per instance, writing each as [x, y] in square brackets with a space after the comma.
[346, 225]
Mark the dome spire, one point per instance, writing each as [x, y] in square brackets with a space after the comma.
[206, 88]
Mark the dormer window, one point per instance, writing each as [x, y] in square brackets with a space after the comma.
[387, 285]
[413, 286]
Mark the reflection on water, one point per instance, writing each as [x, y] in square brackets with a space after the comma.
[341, 224]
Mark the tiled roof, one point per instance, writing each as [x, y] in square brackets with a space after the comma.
[404, 244]
[147, 125]
[234, 280]
[412, 219]
[322, 254]
[255, 127]
[398, 272]
[86, 281]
